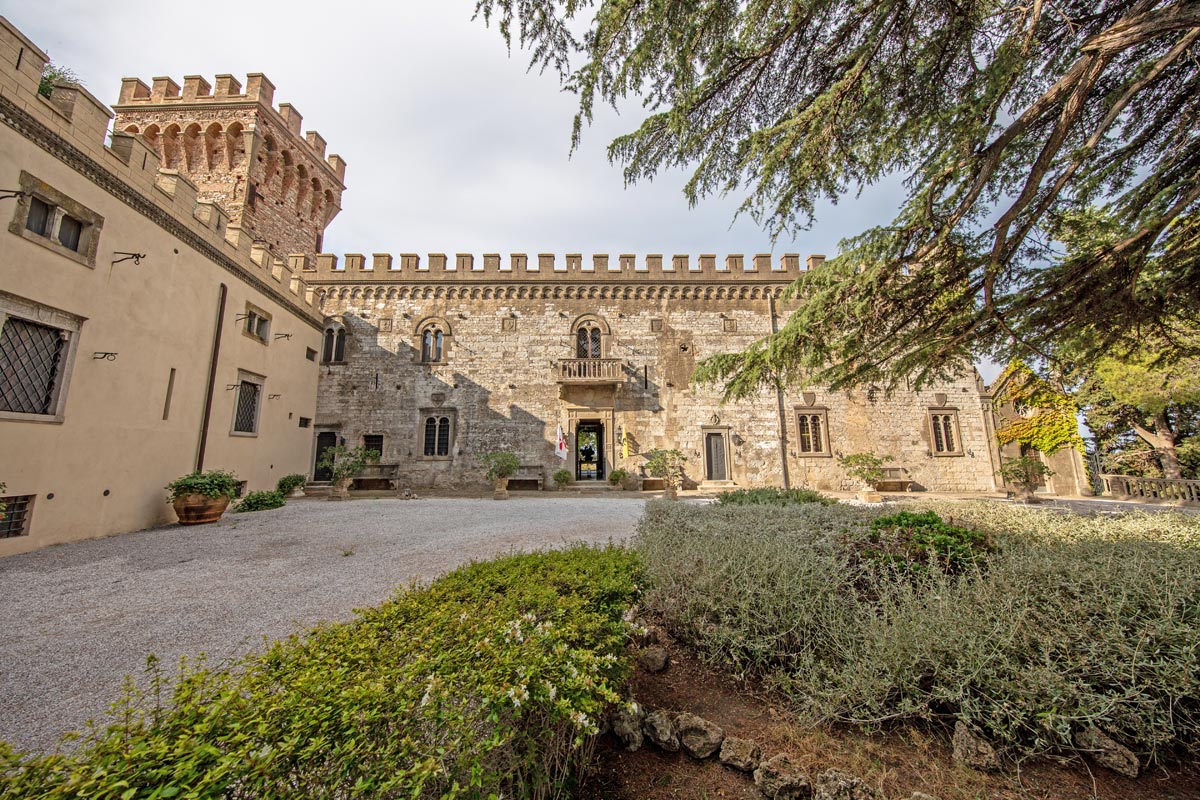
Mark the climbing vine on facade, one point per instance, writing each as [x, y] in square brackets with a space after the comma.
[1048, 415]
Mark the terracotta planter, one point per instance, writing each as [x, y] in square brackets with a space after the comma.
[501, 489]
[198, 509]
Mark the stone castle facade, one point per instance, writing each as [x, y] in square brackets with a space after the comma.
[438, 360]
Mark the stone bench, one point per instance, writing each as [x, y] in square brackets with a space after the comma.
[895, 479]
[529, 473]
[375, 477]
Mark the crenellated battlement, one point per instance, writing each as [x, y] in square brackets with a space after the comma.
[72, 125]
[573, 267]
[165, 94]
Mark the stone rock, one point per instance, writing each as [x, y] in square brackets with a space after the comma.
[627, 724]
[699, 737]
[653, 659]
[834, 785]
[780, 779]
[973, 750]
[1108, 753]
[646, 635]
[743, 754]
[659, 728]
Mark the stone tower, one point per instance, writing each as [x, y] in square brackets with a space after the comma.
[242, 153]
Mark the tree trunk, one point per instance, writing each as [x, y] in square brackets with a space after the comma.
[1162, 439]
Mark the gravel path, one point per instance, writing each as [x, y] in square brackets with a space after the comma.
[80, 617]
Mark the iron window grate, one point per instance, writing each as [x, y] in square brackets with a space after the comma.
[16, 516]
[30, 355]
[247, 408]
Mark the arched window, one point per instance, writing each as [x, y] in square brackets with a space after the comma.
[437, 435]
[587, 341]
[431, 345]
[944, 424]
[334, 346]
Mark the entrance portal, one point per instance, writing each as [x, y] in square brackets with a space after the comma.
[326, 440]
[715, 465]
[589, 451]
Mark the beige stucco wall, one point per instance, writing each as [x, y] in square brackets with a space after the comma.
[108, 459]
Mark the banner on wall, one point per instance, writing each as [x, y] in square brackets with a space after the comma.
[560, 444]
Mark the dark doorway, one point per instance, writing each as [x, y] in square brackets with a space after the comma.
[589, 451]
[714, 457]
[326, 440]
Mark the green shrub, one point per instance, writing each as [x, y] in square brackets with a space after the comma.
[1075, 621]
[214, 483]
[772, 497]
[345, 462]
[289, 483]
[489, 682]
[562, 477]
[616, 476]
[916, 539]
[866, 468]
[259, 501]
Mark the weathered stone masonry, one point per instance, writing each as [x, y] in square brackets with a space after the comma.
[510, 340]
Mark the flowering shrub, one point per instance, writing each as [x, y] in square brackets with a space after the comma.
[489, 682]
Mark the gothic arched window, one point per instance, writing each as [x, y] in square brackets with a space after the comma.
[432, 341]
[587, 340]
[437, 435]
[333, 349]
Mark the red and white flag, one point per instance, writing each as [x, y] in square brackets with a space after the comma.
[560, 445]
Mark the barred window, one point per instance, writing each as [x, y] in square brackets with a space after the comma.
[249, 398]
[943, 424]
[812, 437]
[16, 515]
[31, 359]
[438, 434]
[587, 341]
[374, 441]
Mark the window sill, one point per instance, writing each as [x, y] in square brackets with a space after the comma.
[813, 455]
[51, 245]
[252, 337]
[43, 419]
[946, 455]
[244, 434]
[437, 458]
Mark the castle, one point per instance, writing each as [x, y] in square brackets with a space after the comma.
[166, 307]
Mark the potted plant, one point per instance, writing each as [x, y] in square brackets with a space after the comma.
[1026, 473]
[867, 468]
[502, 465]
[617, 477]
[344, 464]
[562, 478]
[291, 485]
[668, 465]
[202, 497]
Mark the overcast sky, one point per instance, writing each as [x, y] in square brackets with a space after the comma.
[451, 145]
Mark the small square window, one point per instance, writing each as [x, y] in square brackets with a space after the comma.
[310, 354]
[656, 325]
[305, 422]
[69, 232]
[257, 324]
[16, 516]
[40, 213]
[374, 441]
[47, 217]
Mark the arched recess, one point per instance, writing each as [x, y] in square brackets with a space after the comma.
[431, 340]
[235, 146]
[172, 151]
[318, 197]
[214, 146]
[288, 169]
[192, 147]
[302, 187]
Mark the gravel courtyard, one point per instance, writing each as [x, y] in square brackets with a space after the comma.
[80, 617]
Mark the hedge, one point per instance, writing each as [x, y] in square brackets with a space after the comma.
[489, 682]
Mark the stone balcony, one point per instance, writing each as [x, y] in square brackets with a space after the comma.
[595, 371]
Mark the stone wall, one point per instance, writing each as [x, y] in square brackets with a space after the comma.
[498, 381]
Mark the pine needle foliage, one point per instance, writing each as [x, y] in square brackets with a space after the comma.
[1017, 126]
